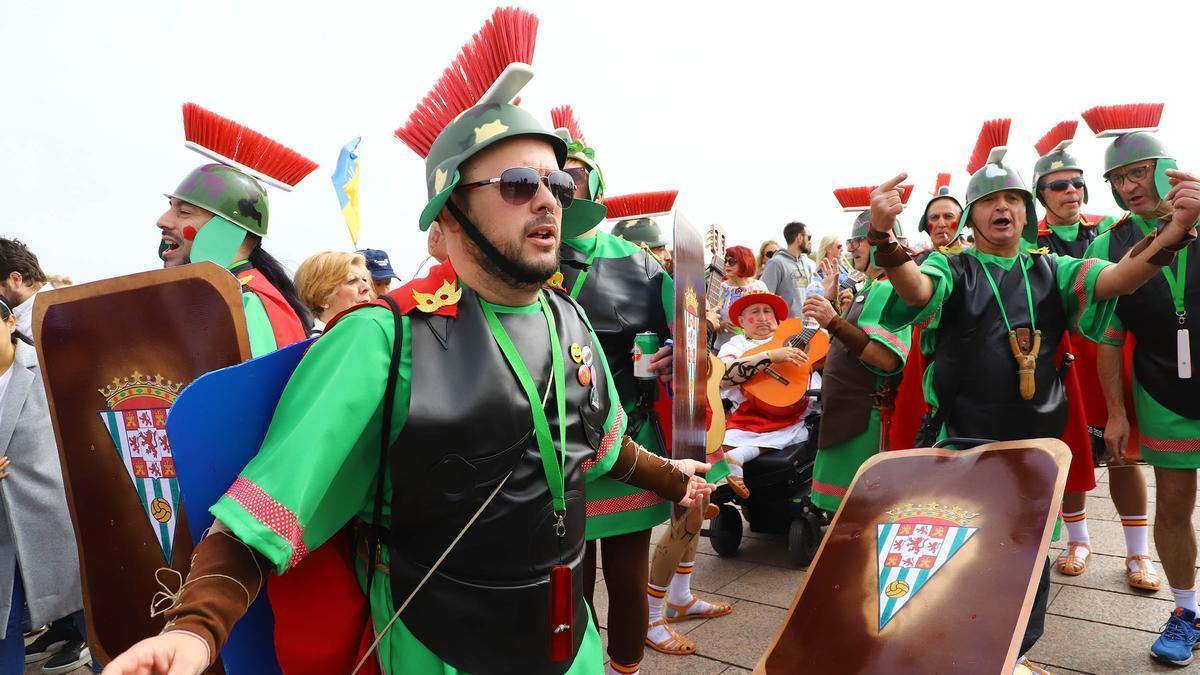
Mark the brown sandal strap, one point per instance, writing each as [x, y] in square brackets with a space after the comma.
[675, 645]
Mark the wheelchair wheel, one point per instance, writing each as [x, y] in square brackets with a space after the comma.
[804, 538]
[725, 531]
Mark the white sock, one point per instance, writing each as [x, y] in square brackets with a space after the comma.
[1077, 526]
[611, 669]
[738, 457]
[1137, 531]
[656, 596]
[1185, 599]
[680, 590]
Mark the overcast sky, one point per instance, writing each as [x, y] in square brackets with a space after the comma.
[755, 111]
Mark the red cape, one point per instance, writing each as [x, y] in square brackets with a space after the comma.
[910, 404]
[285, 324]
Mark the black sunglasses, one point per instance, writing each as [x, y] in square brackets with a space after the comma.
[579, 174]
[769, 254]
[519, 184]
[1062, 184]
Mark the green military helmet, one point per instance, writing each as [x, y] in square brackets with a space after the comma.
[229, 193]
[474, 130]
[861, 226]
[994, 177]
[1134, 147]
[583, 214]
[640, 231]
[1056, 160]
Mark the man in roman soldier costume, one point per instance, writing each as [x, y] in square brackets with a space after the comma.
[624, 291]
[644, 231]
[1160, 199]
[861, 374]
[219, 213]
[489, 428]
[1059, 185]
[1004, 310]
[940, 218]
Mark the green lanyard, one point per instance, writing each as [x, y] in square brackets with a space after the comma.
[553, 463]
[996, 291]
[1175, 282]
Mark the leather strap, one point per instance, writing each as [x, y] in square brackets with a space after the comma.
[389, 402]
[888, 251]
[852, 336]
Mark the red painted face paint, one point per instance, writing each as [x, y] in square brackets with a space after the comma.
[189, 232]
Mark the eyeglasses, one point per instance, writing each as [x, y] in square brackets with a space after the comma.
[579, 174]
[731, 261]
[1135, 174]
[519, 185]
[770, 254]
[1060, 185]
[852, 244]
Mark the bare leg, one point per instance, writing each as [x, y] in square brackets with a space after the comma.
[1173, 533]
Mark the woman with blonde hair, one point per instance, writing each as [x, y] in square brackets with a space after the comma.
[330, 282]
[831, 250]
[765, 253]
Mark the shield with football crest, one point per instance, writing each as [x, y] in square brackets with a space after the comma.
[931, 564]
[114, 355]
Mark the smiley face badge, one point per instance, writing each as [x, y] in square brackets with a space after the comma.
[577, 352]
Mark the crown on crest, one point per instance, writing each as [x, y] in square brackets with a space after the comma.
[932, 510]
[139, 385]
[690, 302]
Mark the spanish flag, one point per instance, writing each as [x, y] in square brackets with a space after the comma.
[345, 184]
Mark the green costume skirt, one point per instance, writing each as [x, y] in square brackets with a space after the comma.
[837, 464]
[1168, 439]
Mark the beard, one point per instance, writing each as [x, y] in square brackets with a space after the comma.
[519, 272]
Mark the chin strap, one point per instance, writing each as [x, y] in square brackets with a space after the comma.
[482, 242]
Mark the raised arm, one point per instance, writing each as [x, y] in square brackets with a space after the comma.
[913, 287]
[1158, 249]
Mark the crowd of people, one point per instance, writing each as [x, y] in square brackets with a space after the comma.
[395, 434]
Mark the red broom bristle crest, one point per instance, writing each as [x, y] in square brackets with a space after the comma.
[994, 134]
[563, 117]
[942, 183]
[640, 204]
[1063, 131]
[509, 36]
[859, 198]
[244, 146]
[1126, 116]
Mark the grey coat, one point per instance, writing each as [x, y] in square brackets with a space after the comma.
[35, 525]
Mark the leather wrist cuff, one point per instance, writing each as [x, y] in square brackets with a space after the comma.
[888, 251]
[225, 578]
[848, 334]
[641, 468]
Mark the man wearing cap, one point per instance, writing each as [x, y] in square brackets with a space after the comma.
[858, 383]
[751, 428]
[489, 442]
[645, 232]
[1059, 185]
[1159, 315]
[380, 267]
[1004, 310]
[790, 271]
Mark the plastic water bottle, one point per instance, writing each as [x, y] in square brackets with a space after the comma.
[814, 288]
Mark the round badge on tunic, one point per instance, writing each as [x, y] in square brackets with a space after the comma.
[576, 353]
[584, 375]
[587, 355]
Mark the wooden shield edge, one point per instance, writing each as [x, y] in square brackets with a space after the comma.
[1051, 446]
[218, 277]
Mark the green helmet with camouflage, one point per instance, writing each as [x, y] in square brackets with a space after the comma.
[861, 225]
[1132, 128]
[447, 129]
[583, 214]
[635, 214]
[1053, 156]
[228, 193]
[640, 231]
[990, 175]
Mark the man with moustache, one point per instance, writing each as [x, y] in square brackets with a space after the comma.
[480, 416]
[1059, 185]
[790, 270]
[1144, 179]
[940, 219]
[1004, 310]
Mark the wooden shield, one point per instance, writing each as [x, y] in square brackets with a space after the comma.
[691, 343]
[930, 565]
[114, 355]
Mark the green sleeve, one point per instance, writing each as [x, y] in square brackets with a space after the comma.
[668, 298]
[1076, 279]
[1099, 247]
[317, 465]
[262, 336]
[896, 314]
[895, 341]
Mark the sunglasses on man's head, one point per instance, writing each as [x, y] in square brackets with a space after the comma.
[519, 185]
[1062, 184]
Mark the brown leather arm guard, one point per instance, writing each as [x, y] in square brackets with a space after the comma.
[888, 251]
[1165, 255]
[848, 334]
[641, 468]
[225, 578]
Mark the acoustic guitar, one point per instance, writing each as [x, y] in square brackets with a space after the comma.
[781, 386]
[713, 277]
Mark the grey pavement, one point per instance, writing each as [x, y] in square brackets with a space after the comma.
[1096, 623]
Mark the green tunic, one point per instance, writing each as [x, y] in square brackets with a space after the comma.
[317, 468]
[837, 464]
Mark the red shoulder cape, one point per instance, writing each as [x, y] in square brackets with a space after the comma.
[284, 323]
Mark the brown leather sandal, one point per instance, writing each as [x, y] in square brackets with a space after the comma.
[738, 485]
[1070, 563]
[1144, 577]
[675, 645]
[680, 612]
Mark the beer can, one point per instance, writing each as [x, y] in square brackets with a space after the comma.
[644, 347]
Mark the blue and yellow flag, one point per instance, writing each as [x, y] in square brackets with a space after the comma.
[345, 184]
